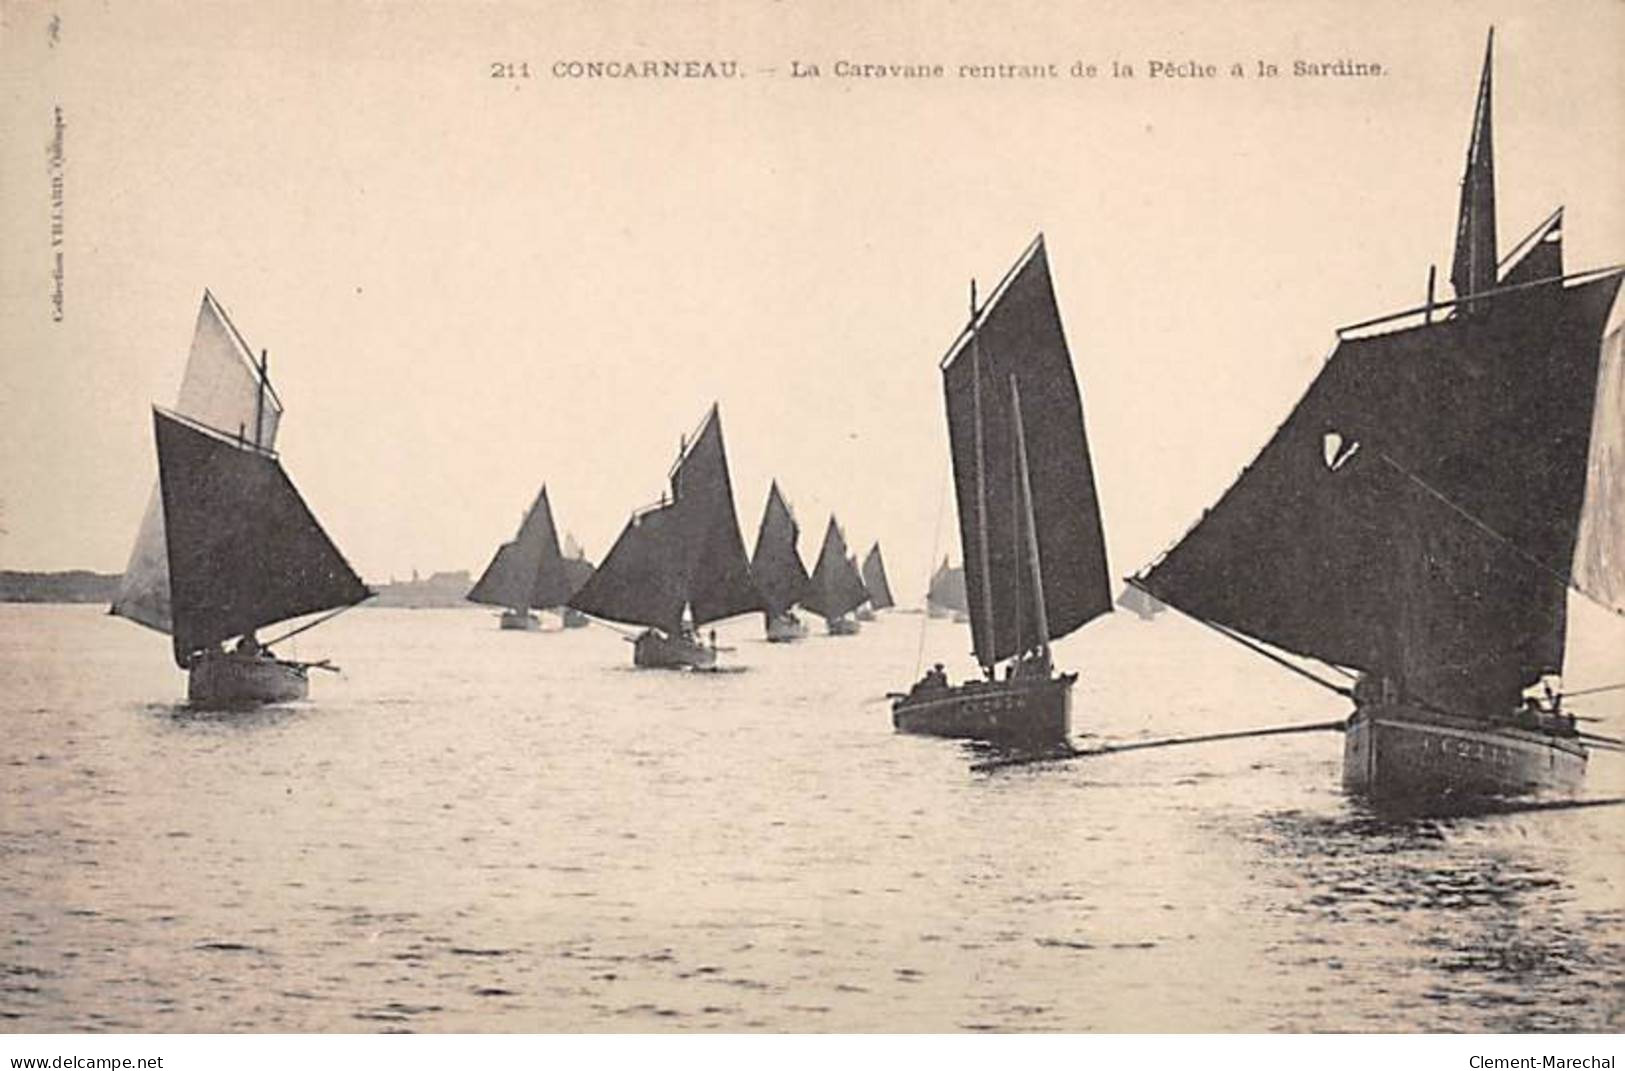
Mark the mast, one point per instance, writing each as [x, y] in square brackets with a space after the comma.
[1025, 488]
[259, 393]
[981, 480]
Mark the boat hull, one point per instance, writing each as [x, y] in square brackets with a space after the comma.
[841, 626]
[570, 618]
[238, 680]
[1020, 711]
[656, 650]
[1399, 753]
[520, 621]
[865, 614]
[785, 629]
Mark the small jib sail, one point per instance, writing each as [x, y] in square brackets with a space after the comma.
[1015, 427]
[529, 571]
[874, 579]
[244, 550]
[223, 387]
[683, 553]
[835, 589]
[947, 588]
[776, 565]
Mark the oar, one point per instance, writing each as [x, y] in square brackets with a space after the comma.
[1169, 741]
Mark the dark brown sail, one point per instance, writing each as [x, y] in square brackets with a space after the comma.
[244, 550]
[640, 581]
[1537, 257]
[874, 579]
[685, 553]
[776, 564]
[528, 571]
[1416, 516]
[1473, 269]
[1018, 335]
[836, 588]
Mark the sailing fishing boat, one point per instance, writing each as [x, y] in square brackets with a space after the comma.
[578, 570]
[227, 546]
[776, 567]
[835, 589]
[1413, 524]
[874, 582]
[945, 596]
[528, 572]
[1029, 520]
[680, 564]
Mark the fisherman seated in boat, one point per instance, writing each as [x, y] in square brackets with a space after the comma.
[935, 680]
[249, 647]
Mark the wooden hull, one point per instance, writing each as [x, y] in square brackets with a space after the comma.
[785, 629]
[841, 626]
[933, 610]
[236, 680]
[520, 621]
[865, 614]
[1022, 711]
[569, 618]
[656, 650]
[1397, 753]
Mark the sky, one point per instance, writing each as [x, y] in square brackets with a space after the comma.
[472, 286]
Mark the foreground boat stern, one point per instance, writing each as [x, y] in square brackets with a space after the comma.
[1395, 752]
[1026, 711]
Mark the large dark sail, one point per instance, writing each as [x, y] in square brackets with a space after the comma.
[688, 552]
[1018, 336]
[776, 564]
[1417, 513]
[874, 579]
[836, 588]
[1473, 269]
[244, 550]
[529, 570]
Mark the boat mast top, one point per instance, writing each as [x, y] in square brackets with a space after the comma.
[981, 479]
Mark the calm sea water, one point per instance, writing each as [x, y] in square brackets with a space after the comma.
[477, 830]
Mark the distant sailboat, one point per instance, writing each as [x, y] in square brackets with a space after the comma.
[777, 569]
[579, 570]
[1138, 603]
[678, 565]
[528, 572]
[1418, 519]
[836, 589]
[945, 597]
[1029, 521]
[874, 581]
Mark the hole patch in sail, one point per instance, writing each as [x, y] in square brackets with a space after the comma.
[1337, 450]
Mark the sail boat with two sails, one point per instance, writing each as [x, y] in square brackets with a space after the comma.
[945, 594]
[678, 565]
[529, 572]
[836, 589]
[1414, 522]
[1029, 519]
[227, 545]
[777, 570]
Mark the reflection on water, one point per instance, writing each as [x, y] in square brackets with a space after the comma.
[476, 830]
